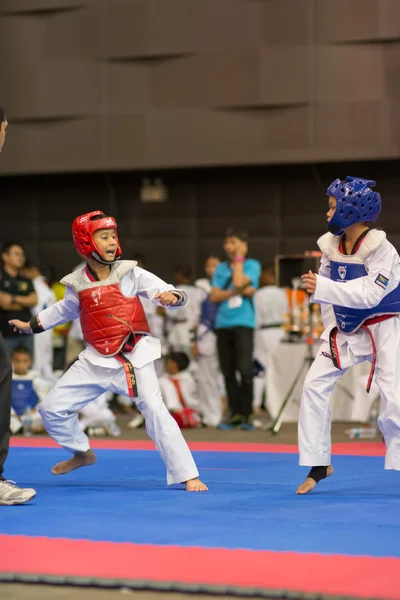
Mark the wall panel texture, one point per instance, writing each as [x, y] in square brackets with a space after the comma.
[93, 85]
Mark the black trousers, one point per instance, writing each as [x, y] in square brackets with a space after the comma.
[235, 352]
[5, 403]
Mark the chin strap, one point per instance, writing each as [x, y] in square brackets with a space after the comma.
[96, 256]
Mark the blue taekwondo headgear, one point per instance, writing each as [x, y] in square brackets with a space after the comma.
[355, 202]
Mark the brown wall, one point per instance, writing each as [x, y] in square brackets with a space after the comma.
[283, 209]
[132, 84]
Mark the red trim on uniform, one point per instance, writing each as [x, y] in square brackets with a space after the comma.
[328, 574]
[359, 241]
[90, 274]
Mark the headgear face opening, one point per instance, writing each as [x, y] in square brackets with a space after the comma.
[83, 229]
[355, 202]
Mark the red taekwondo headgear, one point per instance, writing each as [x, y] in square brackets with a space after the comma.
[83, 229]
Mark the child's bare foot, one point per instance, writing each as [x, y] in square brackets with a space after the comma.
[310, 483]
[195, 485]
[80, 459]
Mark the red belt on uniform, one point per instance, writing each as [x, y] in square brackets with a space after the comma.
[128, 367]
[365, 326]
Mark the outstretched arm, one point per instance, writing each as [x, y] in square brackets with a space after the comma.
[61, 312]
[158, 291]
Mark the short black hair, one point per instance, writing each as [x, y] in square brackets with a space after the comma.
[181, 359]
[29, 264]
[184, 269]
[270, 268]
[238, 233]
[7, 245]
[21, 350]
[3, 116]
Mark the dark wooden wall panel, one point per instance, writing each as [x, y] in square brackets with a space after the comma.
[188, 83]
[283, 208]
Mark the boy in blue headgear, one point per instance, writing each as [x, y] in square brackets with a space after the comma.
[359, 292]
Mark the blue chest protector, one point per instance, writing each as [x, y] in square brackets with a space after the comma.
[350, 319]
[208, 313]
[23, 395]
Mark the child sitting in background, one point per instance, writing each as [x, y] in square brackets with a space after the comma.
[96, 418]
[178, 390]
[28, 389]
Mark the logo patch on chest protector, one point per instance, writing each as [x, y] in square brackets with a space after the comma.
[342, 270]
[96, 295]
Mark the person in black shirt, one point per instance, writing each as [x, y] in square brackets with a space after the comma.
[10, 493]
[17, 296]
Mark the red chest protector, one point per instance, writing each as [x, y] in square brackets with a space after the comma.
[108, 318]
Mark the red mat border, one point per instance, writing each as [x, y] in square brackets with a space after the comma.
[346, 448]
[339, 575]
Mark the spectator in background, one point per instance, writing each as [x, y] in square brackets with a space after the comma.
[74, 342]
[28, 390]
[10, 493]
[233, 286]
[270, 303]
[204, 350]
[178, 389]
[154, 317]
[155, 320]
[61, 331]
[182, 322]
[17, 296]
[42, 344]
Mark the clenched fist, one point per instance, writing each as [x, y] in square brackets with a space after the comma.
[167, 298]
[309, 281]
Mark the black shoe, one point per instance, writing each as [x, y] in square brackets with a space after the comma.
[234, 423]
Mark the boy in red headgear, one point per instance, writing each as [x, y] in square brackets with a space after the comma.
[119, 352]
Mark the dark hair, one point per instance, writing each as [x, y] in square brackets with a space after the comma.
[212, 256]
[98, 217]
[139, 257]
[29, 264]
[3, 116]
[181, 359]
[51, 274]
[7, 245]
[268, 268]
[21, 350]
[237, 233]
[184, 269]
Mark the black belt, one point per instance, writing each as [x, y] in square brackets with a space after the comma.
[271, 326]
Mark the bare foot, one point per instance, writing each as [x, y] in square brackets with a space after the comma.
[195, 485]
[310, 483]
[80, 459]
